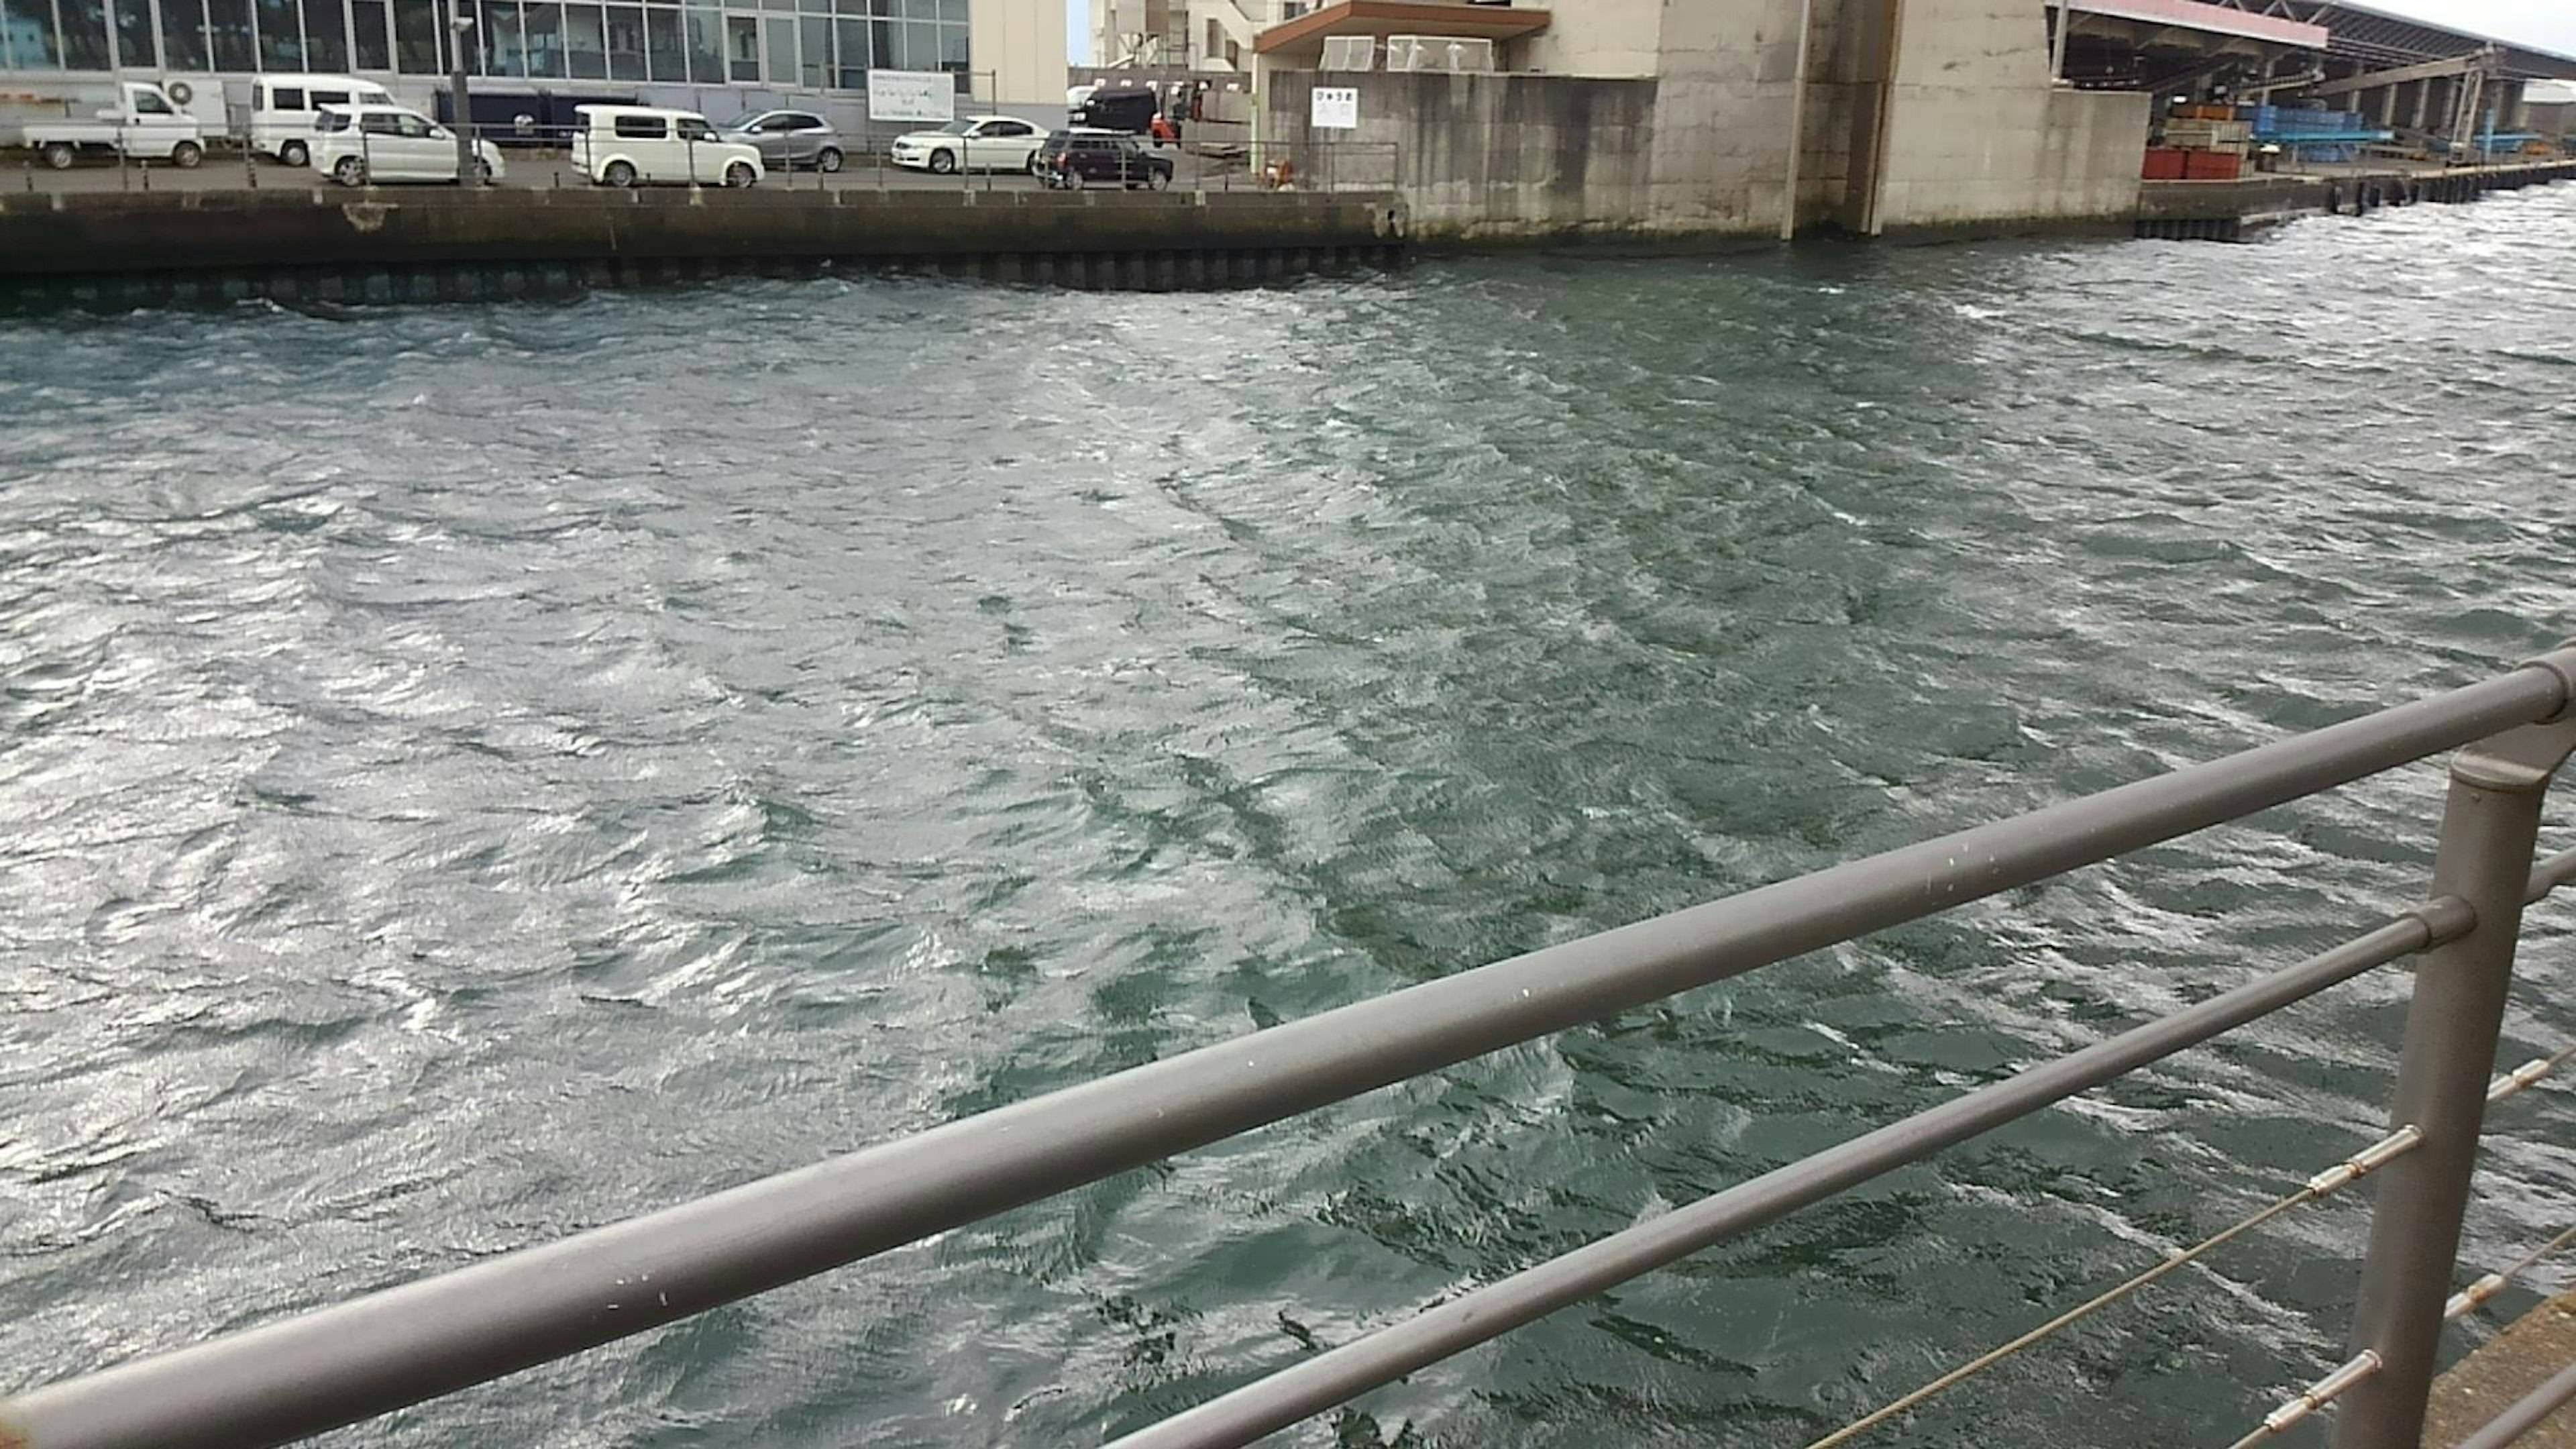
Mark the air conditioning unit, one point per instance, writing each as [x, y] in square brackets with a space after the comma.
[1349, 52]
[1453, 53]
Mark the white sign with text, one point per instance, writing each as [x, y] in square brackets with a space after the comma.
[912, 95]
[1336, 108]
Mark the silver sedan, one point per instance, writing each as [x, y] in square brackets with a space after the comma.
[788, 139]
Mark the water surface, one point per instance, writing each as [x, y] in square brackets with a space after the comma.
[478, 772]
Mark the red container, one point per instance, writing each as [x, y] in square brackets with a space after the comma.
[2211, 165]
[2164, 163]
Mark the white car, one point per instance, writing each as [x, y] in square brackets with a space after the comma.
[647, 146]
[363, 145]
[976, 143]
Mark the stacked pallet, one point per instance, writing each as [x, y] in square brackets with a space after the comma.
[2201, 143]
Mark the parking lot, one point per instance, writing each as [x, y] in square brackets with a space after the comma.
[550, 169]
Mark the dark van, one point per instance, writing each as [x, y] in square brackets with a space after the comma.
[1125, 108]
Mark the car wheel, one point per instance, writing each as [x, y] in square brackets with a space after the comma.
[828, 159]
[350, 172]
[1072, 179]
[619, 174]
[1157, 179]
[482, 172]
[186, 155]
[740, 175]
[943, 163]
[295, 153]
[1037, 166]
[59, 155]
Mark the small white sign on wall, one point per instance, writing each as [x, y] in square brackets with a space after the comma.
[910, 95]
[1336, 108]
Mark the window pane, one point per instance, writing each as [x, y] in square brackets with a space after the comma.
[817, 51]
[228, 28]
[668, 61]
[952, 47]
[84, 35]
[326, 45]
[416, 24]
[742, 46]
[625, 43]
[780, 35]
[953, 11]
[853, 58]
[706, 46]
[585, 48]
[27, 29]
[183, 34]
[544, 22]
[371, 42]
[503, 52]
[917, 9]
[134, 35]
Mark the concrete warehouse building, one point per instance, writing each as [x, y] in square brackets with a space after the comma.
[1639, 118]
[719, 56]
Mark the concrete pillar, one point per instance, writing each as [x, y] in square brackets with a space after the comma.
[2441, 95]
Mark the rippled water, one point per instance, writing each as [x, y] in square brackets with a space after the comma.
[480, 772]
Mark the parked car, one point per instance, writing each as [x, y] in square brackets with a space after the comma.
[1071, 160]
[646, 145]
[283, 107]
[141, 121]
[1116, 108]
[977, 143]
[788, 139]
[365, 145]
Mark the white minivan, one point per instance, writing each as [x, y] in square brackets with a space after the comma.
[282, 107]
[647, 145]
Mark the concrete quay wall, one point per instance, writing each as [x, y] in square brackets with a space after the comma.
[1086, 237]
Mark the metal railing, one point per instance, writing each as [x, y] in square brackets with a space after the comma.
[364, 1357]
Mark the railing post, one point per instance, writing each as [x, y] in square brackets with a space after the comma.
[2489, 825]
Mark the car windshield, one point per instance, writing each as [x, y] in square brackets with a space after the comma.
[744, 123]
[955, 128]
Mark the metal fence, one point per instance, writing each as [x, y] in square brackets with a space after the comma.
[532, 155]
[365, 1357]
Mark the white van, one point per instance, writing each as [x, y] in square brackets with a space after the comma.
[282, 106]
[647, 145]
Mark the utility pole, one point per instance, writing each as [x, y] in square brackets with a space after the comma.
[459, 29]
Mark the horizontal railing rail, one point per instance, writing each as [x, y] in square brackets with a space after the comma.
[356, 1359]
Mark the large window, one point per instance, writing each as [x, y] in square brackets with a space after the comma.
[544, 22]
[84, 34]
[371, 41]
[625, 43]
[229, 34]
[27, 34]
[134, 43]
[816, 46]
[585, 44]
[742, 46]
[813, 44]
[669, 58]
[183, 34]
[504, 52]
[416, 27]
[853, 54]
[326, 41]
[281, 35]
[706, 46]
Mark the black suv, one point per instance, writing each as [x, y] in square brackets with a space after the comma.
[1071, 159]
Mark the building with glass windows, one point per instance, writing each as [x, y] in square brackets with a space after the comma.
[713, 55]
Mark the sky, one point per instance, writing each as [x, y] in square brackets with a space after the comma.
[2549, 24]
